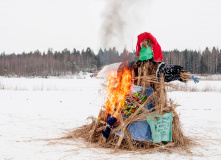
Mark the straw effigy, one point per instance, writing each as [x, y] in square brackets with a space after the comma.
[146, 78]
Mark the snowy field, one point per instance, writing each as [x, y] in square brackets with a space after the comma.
[33, 111]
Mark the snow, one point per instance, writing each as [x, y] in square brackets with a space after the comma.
[34, 111]
[49, 84]
[210, 77]
[204, 85]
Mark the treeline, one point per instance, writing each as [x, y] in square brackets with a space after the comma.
[56, 63]
[196, 62]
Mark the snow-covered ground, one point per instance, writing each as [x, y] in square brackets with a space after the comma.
[33, 111]
[214, 77]
[203, 86]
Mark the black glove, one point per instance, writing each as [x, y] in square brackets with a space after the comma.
[170, 72]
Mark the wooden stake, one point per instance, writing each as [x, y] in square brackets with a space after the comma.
[115, 108]
[132, 76]
[144, 79]
[127, 135]
[91, 138]
[139, 75]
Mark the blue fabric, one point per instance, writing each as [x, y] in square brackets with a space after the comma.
[110, 122]
[140, 130]
[106, 132]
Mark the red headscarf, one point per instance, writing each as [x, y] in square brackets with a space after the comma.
[157, 52]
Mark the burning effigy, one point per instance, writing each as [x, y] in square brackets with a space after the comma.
[137, 115]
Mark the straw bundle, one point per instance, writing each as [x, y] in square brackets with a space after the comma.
[146, 78]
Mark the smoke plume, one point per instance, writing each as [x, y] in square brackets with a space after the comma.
[121, 19]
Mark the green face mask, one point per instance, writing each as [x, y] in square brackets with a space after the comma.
[145, 53]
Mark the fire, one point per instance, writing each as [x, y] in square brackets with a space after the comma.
[117, 89]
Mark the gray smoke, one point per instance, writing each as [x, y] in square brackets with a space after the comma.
[120, 19]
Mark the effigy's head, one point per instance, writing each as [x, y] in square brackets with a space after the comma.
[145, 43]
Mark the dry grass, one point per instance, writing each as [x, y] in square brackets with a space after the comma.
[184, 87]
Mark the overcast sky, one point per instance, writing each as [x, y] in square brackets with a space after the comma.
[28, 25]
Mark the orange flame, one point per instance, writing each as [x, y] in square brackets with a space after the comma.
[117, 89]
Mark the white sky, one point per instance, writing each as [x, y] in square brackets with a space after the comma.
[28, 25]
